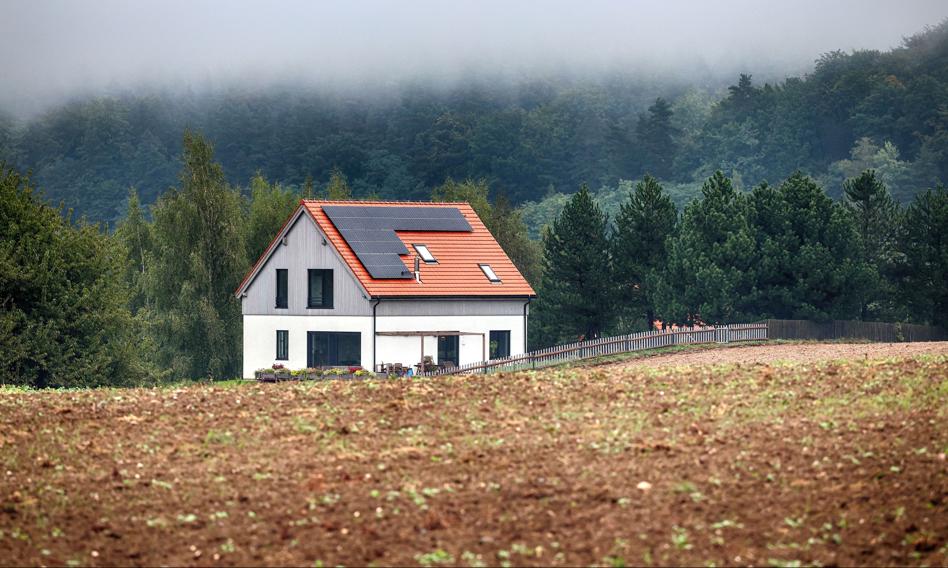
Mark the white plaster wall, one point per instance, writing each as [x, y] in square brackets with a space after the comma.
[407, 350]
[260, 338]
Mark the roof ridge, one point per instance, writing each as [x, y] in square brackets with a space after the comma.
[381, 202]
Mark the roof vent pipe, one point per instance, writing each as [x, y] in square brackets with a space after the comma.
[417, 269]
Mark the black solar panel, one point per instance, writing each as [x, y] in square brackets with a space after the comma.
[370, 232]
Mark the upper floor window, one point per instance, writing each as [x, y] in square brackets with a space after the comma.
[425, 254]
[489, 273]
[319, 289]
[282, 297]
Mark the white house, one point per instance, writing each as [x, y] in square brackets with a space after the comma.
[371, 283]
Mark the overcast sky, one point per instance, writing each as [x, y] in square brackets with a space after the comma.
[50, 49]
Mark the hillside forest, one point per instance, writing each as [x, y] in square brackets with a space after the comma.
[127, 222]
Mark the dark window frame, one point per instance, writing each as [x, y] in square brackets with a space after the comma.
[330, 344]
[282, 347]
[328, 297]
[501, 332]
[283, 287]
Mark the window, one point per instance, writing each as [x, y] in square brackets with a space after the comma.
[499, 344]
[425, 254]
[328, 349]
[320, 289]
[448, 350]
[489, 273]
[283, 345]
[282, 296]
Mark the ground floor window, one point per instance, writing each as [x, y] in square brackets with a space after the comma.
[283, 345]
[333, 348]
[499, 344]
[448, 350]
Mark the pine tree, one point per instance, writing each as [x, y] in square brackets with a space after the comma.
[808, 264]
[876, 216]
[200, 257]
[639, 252]
[657, 137]
[576, 292]
[710, 259]
[923, 241]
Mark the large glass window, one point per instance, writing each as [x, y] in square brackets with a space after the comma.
[320, 289]
[283, 345]
[281, 288]
[499, 344]
[334, 348]
[448, 350]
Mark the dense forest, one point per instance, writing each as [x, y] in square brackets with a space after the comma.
[886, 111]
[819, 197]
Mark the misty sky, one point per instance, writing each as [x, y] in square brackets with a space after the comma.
[51, 49]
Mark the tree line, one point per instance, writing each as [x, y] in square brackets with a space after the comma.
[153, 301]
[852, 112]
[784, 251]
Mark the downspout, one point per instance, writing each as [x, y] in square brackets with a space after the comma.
[525, 328]
[375, 305]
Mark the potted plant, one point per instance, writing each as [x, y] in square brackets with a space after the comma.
[281, 372]
[312, 373]
[266, 375]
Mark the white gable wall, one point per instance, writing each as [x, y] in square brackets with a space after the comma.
[304, 250]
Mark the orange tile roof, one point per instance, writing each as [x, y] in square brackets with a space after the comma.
[459, 254]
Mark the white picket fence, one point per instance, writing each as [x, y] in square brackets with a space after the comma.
[613, 345]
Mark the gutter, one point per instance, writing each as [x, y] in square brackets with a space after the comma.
[375, 305]
[525, 328]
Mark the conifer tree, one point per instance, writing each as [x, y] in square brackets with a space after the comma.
[710, 260]
[639, 252]
[807, 263]
[923, 241]
[876, 216]
[576, 292]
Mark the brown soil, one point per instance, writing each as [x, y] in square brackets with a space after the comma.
[832, 463]
[796, 352]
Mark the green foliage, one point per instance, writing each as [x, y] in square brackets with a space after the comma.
[923, 242]
[576, 296]
[500, 218]
[710, 260]
[270, 206]
[807, 262]
[63, 315]
[338, 186]
[876, 217]
[656, 136]
[645, 222]
[199, 258]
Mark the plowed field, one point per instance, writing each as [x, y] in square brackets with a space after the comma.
[810, 463]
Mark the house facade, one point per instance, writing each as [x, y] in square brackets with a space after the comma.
[376, 284]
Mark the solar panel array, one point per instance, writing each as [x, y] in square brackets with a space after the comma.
[370, 232]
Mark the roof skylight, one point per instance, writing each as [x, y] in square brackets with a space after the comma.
[489, 273]
[425, 254]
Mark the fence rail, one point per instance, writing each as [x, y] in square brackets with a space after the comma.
[844, 329]
[613, 345]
